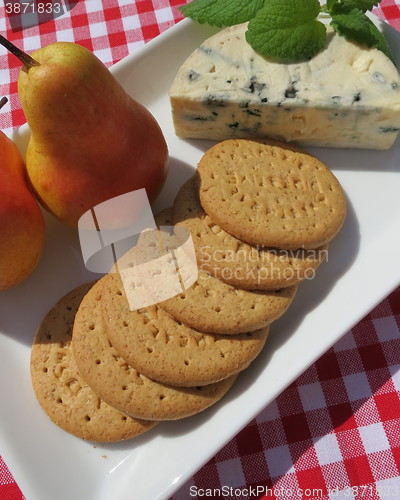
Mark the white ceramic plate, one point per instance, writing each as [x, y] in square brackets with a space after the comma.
[363, 267]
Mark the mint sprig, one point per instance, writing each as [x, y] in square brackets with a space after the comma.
[222, 12]
[289, 30]
[355, 26]
[276, 32]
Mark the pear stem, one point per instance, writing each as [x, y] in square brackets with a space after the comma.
[26, 59]
[3, 101]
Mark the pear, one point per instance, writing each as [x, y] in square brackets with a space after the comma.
[22, 229]
[90, 141]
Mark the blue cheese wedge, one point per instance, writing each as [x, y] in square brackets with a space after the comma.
[346, 96]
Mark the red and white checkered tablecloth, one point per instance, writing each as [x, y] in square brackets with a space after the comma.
[335, 432]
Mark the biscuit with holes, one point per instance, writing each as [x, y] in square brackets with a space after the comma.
[271, 194]
[233, 261]
[62, 393]
[211, 305]
[122, 386]
[167, 350]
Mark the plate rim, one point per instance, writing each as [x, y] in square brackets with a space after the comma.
[173, 487]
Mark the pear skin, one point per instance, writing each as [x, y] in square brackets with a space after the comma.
[22, 229]
[90, 141]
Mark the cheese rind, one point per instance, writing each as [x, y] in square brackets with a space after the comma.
[345, 96]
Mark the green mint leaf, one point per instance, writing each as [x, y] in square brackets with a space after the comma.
[343, 6]
[355, 26]
[221, 12]
[363, 5]
[330, 4]
[287, 30]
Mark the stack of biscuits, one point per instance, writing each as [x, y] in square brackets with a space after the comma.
[260, 214]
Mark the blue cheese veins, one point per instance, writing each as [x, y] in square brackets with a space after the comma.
[346, 96]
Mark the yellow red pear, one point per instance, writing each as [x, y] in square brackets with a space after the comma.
[90, 141]
[22, 228]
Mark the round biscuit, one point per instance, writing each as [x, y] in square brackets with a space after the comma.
[62, 393]
[233, 261]
[268, 193]
[167, 350]
[121, 385]
[210, 305]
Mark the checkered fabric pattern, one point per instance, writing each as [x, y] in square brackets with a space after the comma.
[335, 432]
[111, 29]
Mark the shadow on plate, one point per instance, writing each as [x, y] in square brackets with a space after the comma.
[179, 172]
[62, 268]
[168, 428]
[360, 160]
[357, 160]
